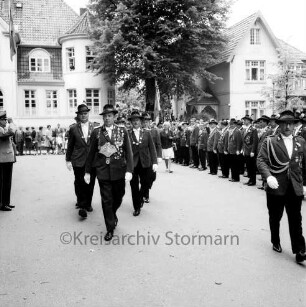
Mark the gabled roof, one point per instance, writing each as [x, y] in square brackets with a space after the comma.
[41, 22]
[295, 54]
[238, 31]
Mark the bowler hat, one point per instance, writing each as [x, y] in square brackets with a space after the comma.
[264, 118]
[135, 114]
[286, 116]
[3, 115]
[247, 116]
[82, 108]
[109, 108]
[213, 121]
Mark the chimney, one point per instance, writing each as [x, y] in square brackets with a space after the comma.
[82, 11]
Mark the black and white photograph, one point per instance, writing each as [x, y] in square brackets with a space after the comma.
[152, 153]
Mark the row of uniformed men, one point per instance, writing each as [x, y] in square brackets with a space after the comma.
[113, 155]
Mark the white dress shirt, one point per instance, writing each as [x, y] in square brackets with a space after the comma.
[85, 128]
[288, 140]
[137, 133]
[109, 131]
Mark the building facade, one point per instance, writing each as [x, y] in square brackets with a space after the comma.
[51, 73]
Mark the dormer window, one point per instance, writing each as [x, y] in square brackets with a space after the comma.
[255, 36]
[39, 61]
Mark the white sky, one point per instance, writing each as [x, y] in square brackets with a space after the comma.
[286, 18]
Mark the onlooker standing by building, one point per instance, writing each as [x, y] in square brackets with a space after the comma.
[7, 158]
[19, 139]
[202, 145]
[49, 139]
[28, 140]
[39, 139]
[34, 142]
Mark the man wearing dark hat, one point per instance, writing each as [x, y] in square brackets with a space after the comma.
[233, 146]
[194, 136]
[110, 154]
[144, 160]
[76, 155]
[212, 143]
[7, 158]
[223, 159]
[146, 119]
[250, 143]
[280, 163]
[184, 143]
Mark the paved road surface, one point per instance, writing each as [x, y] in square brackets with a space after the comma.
[36, 269]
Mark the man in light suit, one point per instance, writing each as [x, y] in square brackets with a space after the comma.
[280, 162]
[76, 155]
[7, 158]
[144, 158]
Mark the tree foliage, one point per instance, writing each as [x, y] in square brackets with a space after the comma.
[163, 42]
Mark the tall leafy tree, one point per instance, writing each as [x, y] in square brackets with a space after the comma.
[167, 43]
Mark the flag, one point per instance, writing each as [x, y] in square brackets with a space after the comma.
[12, 33]
[156, 104]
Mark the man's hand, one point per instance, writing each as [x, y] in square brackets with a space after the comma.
[69, 165]
[272, 182]
[155, 167]
[225, 152]
[237, 152]
[159, 160]
[87, 178]
[128, 176]
[215, 151]
[252, 154]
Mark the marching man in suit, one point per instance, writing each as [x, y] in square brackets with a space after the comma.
[250, 143]
[110, 153]
[144, 158]
[280, 163]
[7, 158]
[76, 155]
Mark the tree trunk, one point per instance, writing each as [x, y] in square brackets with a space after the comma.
[150, 94]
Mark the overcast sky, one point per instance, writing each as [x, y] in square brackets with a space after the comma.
[286, 18]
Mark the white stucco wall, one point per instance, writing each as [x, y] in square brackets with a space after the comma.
[242, 90]
[8, 72]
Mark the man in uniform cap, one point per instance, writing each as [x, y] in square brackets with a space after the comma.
[250, 143]
[144, 161]
[7, 158]
[280, 163]
[110, 153]
[76, 155]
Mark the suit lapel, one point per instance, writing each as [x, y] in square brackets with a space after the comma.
[81, 132]
[282, 146]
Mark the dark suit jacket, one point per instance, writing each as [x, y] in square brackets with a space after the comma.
[233, 141]
[250, 141]
[293, 172]
[194, 136]
[143, 151]
[203, 137]
[78, 147]
[212, 141]
[221, 141]
[156, 140]
[119, 163]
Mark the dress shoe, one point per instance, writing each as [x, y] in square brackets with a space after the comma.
[223, 176]
[260, 188]
[146, 200]
[277, 248]
[109, 235]
[11, 206]
[300, 257]
[136, 212]
[89, 209]
[246, 183]
[82, 213]
[233, 180]
[251, 184]
[5, 208]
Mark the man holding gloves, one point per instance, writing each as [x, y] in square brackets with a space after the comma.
[280, 162]
[110, 153]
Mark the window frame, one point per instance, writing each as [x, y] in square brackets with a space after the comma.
[36, 55]
[73, 99]
[255, 36]
[93, 105]
[111, 96]
[258, 105]
[89, 57]
[32, 110]
[257, 67]
[70, 57]
[53, 100]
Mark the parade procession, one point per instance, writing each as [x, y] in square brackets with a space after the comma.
[148, 151]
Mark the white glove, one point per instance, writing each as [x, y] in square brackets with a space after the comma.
[159, 160]
[226, 153]
[272, 182]
[252, 154]
[128, 176]
[69, 165]
[237, 153]
[215, 151]
[155, 167]
[87, 178]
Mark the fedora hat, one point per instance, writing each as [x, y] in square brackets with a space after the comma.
[3, 115]
[247, 116]
[135, 114]
[239, 122]
[286, 116]
[264, 118]
[108, 108]
[213, 121]
[82, 108]
[233, 121]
